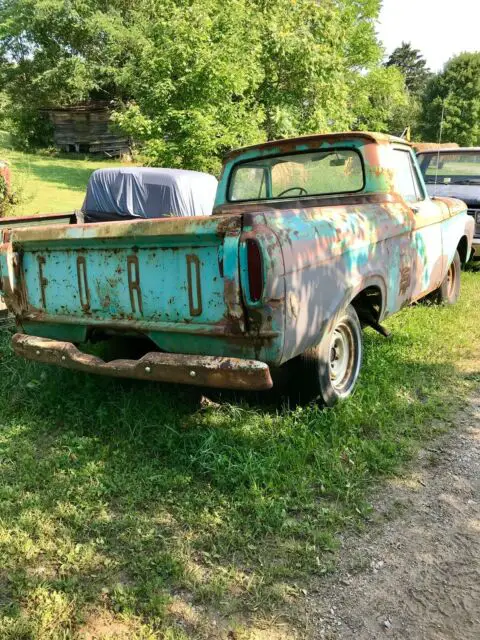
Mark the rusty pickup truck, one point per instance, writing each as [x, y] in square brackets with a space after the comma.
[311, 239]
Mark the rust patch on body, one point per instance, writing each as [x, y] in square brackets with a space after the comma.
[42, 280]
[262, 207]
[405, 279]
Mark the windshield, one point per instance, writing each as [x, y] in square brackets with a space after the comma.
[297, 175]
[461, 167]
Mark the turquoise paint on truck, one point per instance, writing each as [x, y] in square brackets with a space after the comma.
[185, 283]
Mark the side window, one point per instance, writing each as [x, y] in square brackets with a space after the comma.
[416, 179]
[407, 183]
[249, 184]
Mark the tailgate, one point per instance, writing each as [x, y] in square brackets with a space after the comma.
[159, 274]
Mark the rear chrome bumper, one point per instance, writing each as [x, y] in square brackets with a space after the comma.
[205, 371]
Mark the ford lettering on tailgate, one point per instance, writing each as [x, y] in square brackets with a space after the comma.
[164, 285]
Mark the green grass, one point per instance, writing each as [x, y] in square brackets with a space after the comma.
[50, 184]
[126, 509]
[126, 503]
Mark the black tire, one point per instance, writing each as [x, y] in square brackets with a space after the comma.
[329, 371]
[449, 290]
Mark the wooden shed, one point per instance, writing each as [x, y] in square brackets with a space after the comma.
[85, 128]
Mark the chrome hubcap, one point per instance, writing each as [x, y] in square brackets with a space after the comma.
[341, 357]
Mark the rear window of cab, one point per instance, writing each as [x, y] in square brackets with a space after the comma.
[302, 174]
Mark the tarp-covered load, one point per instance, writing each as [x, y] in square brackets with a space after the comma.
[138, 192]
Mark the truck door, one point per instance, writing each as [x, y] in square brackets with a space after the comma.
[426, 239]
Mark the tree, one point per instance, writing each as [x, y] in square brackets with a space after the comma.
[296, 67]
[311, 55]
[193, 85]
[61, 53]
[191, 79]
[381, 101]
[413, 66]
[455, 92]
[5, 108]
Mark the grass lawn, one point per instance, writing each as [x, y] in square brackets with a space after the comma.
[126, 510]
[50, 184]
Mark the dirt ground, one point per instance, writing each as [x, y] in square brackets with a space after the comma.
[417, 574]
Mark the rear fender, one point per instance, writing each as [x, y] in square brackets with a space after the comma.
[267, 313]
[372, 281]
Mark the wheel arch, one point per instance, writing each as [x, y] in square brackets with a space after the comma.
[371, 298]
[462, 249]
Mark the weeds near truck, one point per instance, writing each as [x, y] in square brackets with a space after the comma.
[125, 506]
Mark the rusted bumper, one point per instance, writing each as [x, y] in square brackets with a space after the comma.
[207, 371]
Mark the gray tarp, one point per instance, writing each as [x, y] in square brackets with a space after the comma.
[148, 193]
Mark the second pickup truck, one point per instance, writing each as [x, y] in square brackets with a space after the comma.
[310, 240]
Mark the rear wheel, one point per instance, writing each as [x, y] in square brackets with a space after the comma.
[449, 290]
[329, 371]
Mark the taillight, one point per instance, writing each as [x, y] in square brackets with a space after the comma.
[255, 270]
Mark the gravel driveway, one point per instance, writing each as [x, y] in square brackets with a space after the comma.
[417, 575]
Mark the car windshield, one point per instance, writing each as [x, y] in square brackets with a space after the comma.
[297, 175]
[456, 167]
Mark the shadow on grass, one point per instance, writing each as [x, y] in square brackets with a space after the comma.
[126, 495]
